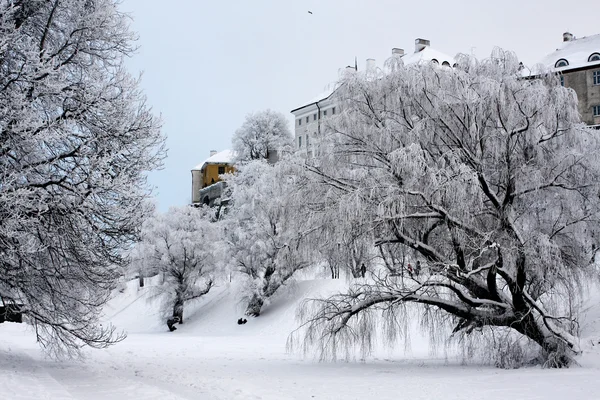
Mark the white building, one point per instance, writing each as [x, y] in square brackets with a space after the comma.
[309, 121]
[310, 116]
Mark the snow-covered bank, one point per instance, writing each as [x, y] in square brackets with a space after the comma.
[166, 366]
[211, 357]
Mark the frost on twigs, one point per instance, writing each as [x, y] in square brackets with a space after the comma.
[265, 233]
[262, 134]
[67, 341]
[351, 325]
[76, 143]
[181, 246]
[477, 188]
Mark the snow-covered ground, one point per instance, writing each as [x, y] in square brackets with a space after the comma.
[211, 357]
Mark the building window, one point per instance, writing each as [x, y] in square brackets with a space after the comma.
[596, 75]
[325, 113]
[307, 120]
[221, 170]
[333, 111]
[299, 141]
[562, 80]
[596, 111]
[594, 57]
[314, 116]
[300, 122]
[434, 61]
[446, 64]
[561, 63]
[307, 141]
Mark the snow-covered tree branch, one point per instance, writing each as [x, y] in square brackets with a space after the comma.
[487, 180]
[181, 246]
[265, 228]
[262, 135]
[76, 142]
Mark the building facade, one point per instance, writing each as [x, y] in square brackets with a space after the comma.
[310, 118]
[309, 122]
[577, 62]
[206, 181]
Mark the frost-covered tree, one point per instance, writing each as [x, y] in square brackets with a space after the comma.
[76, 142]
[180, 245]
[265, 232]
[261, 134]
[344, 244]
[486, 181]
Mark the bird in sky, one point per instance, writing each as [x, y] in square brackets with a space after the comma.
[310, 12]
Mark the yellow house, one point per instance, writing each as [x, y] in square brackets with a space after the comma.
[208, 173]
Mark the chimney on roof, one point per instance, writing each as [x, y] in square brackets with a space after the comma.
[420, 44]
[397, 52]
[213, 152]
[568, 36]
[371, 64]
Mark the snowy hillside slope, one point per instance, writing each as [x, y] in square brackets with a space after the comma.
[136, 310]
[211, 357]
[216, 314]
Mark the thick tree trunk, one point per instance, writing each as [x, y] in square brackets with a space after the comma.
[178, 308]
[257, 300]
[556, 353]
[254, 305]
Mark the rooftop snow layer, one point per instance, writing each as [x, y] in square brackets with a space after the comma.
[322, 96]
[222, 157]
[576, 52]
[426, 55]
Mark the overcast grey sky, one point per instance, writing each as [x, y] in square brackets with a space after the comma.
[206, 64]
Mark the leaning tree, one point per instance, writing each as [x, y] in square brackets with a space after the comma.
[266, 233]
[485, 178]
[181, 246]
[76, 142]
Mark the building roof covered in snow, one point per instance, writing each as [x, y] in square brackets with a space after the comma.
[423, 53]
[428, 54]
[574, 53]
[322, 96]
[222, 157]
